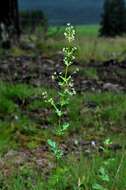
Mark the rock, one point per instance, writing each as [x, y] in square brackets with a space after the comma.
[45, 126]
[59, 55]
[91, 104]
[10, 154]
[28, 46]
[4, 67]
[110, 63]
[49, 62]
[112, 87]
[123, 64]
[15, 157]
[115, 147]
[47, 68]
[41, 163]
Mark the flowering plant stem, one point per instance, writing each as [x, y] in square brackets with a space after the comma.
[67, 90]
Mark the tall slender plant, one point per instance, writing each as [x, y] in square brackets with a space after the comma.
[67, 90]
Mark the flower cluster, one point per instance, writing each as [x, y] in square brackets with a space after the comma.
[70, 33]
[69, 55]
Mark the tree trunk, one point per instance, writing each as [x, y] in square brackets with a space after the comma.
[9, 16]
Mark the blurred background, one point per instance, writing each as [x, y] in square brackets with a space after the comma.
[60, 12]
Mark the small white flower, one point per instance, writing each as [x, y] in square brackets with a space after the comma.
[93, 143]
[70, 33]
[53, 77]
[68, 24]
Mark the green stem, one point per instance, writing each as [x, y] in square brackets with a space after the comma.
[59, 122]
[118, 170]
[66, 71]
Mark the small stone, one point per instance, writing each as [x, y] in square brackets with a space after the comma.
[15, 157]
[28, 46]
[112, 87]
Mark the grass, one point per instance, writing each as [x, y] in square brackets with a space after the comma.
[18, 130]
[90, 46]
[16, 103]
[86, 30]
[22, 118]
[71, 175]
[89, 73]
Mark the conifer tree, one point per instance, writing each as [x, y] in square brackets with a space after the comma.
[113, 21]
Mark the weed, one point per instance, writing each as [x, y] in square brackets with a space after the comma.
[67, 90]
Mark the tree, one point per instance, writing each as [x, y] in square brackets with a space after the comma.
[9, 16]
[32, 19]
[113, 21]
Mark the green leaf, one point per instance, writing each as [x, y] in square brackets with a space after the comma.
[97, 186]
[55, 149]
[103, 174]
[62, 129]
[59, 112]
[107, 142]
[52, 143]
